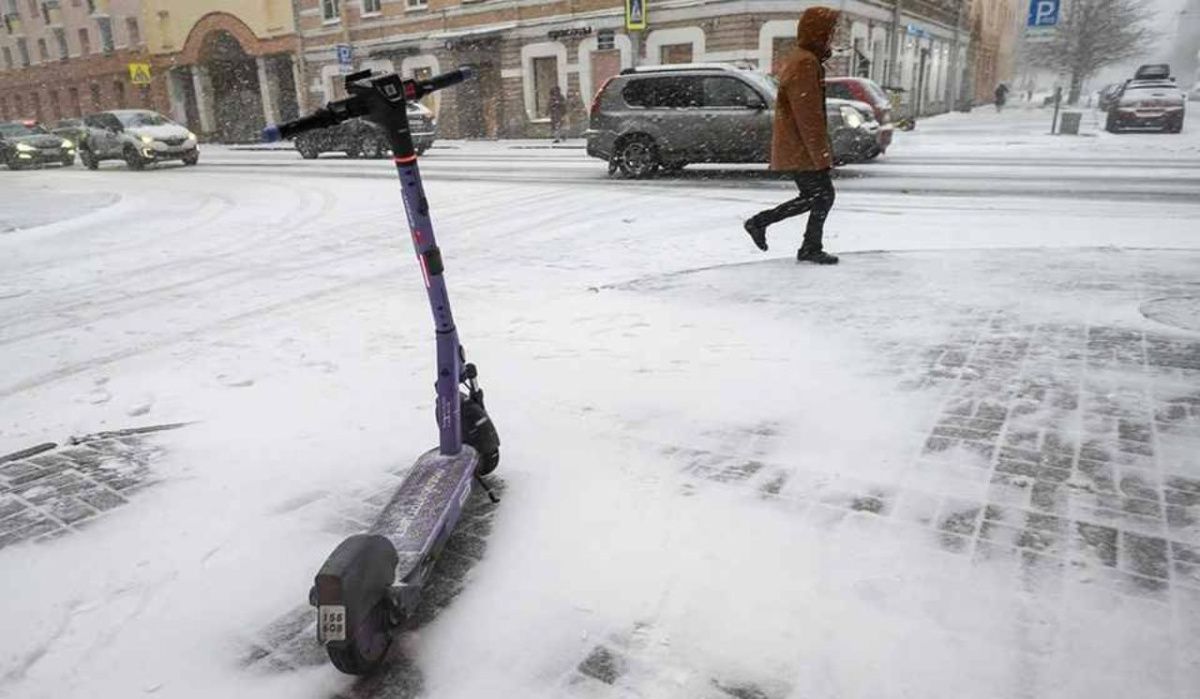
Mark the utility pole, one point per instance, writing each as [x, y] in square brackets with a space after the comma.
[895, 45]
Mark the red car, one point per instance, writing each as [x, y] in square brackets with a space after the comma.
[865, 90]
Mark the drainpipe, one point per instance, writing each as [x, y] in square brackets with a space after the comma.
[955, 76]
[895, 45]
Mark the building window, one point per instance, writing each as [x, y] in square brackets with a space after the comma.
[23, 52]
[119, 89]
[372, 7]
[675, 53]
[106, 37]
[331, 10]
[33, 9]
[85, 42]
[60, 36]
[545, 77]
[73, 99]
[46, 13]
[55, 107]
[417, 4]
[37, 107]
[12, 7]
[19, 107]
[132, 30]
[8, 63]
[4, 108]
[95, 88]
[43, 52]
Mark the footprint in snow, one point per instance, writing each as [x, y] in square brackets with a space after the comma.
[234, 382]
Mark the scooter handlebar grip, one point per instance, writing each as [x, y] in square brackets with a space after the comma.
[290, 129]
[448, 79]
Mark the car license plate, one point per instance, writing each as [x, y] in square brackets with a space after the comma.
[331, 623]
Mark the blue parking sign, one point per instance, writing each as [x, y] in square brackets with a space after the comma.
[345, 54]
[1043, 13]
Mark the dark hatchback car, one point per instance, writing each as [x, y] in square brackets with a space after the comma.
[25, 144]
[666, 117]
[359, 138]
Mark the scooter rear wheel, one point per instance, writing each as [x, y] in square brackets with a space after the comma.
[363, 651]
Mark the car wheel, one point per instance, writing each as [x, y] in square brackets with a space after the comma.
[134, 159]
[1110, 124]
[14, 164]
[375, 148]
[638, 157]
[354, 150]
[307, 149]
[191, 158]
[88, 159]
[68, 162]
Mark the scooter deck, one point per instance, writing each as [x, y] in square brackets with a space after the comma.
[423, 512]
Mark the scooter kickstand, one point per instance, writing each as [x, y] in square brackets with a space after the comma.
[491, 496]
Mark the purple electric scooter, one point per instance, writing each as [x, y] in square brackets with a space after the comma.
[372, 583]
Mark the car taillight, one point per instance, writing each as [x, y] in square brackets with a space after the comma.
[595, 110]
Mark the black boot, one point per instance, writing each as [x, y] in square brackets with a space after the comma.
[757, 233]
[816, 256]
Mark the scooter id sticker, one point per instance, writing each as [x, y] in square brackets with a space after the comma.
[331, 624]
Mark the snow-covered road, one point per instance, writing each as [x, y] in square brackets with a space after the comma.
[725, 475]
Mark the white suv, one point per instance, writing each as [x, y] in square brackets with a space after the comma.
[137, 136]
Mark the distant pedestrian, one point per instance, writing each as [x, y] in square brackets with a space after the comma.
[1001, 96]
[800, 142]
[1029, 96]
[558, 113]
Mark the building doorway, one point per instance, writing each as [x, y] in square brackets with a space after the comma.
[235, 96]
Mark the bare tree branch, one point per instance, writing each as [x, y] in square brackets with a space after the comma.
[1094, 34]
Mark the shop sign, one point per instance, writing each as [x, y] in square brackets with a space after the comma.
[573, 33]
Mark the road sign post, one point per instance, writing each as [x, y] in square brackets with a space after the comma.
[345, 56]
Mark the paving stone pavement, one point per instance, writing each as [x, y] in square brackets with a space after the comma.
[50, 490]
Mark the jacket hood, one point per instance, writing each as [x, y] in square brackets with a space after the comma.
[815, 30]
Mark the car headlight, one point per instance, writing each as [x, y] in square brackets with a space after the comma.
[25, 148]
[146, 139]
[67, 144]
[192, 136]
[852, 118]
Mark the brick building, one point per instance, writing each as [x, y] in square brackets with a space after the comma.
[70, 57]
[521, 49]
[995, 27]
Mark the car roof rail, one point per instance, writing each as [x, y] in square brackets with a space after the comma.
[679, 67]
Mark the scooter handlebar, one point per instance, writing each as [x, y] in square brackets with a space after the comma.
[319, 119]
[447, 79]
[336, 112]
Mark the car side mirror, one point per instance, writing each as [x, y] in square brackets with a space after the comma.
[756, 103]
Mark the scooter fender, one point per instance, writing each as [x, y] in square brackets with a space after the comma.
[351, 587]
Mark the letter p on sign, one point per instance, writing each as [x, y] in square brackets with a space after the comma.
[1043, 13]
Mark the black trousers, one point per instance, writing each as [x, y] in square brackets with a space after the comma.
[816, 195]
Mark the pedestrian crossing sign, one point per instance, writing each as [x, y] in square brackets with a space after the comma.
[635, 15]
[139, 73]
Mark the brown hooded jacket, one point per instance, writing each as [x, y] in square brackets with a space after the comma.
[800, 141]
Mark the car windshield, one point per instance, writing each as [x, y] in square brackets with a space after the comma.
[16, 128]
[135, 119]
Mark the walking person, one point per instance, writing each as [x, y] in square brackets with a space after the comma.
[800, 139]
[1001, 96]
[558, 113]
